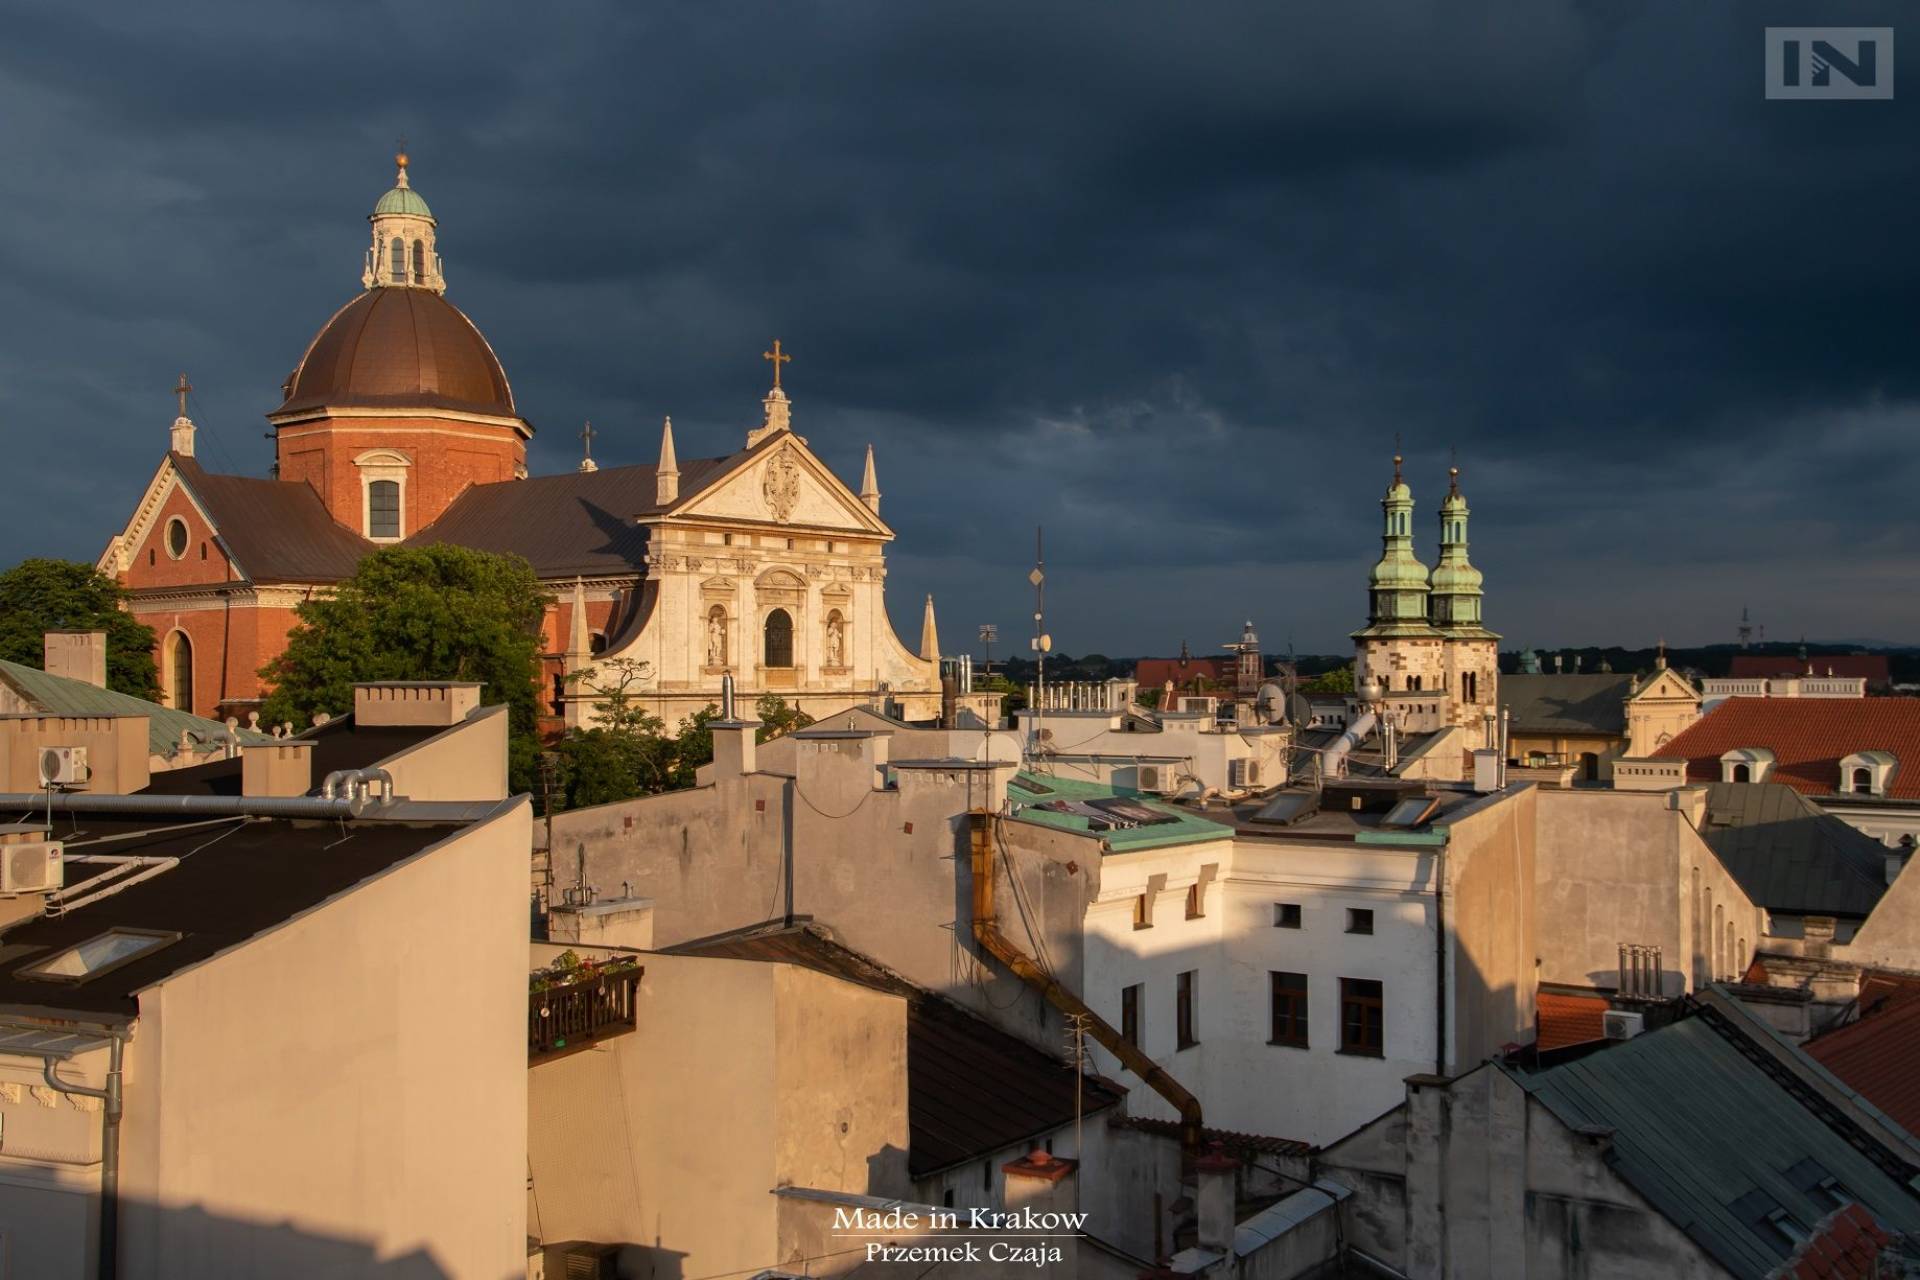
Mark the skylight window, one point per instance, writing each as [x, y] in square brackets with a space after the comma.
[98, 955]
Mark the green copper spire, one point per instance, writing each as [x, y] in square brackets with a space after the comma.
[1456, 583]
[1397, 588]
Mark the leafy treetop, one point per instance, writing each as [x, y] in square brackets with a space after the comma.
[38, 596]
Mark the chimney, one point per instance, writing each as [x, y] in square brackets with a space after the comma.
[77, 655]
[1044, 1183]
[611, 922]
[1559, 663]
[1217, 1174]
[282, 768]
[733, 738]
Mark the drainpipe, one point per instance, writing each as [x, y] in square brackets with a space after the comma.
[986, 932]
[109, 1239]
[1440, 961]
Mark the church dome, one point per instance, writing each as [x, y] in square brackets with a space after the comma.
[400, 348]
[402, 200]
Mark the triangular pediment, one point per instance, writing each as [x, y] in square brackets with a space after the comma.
[124, 546]
[1667, 684]
[781, 482]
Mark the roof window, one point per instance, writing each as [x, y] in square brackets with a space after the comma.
[99, 954]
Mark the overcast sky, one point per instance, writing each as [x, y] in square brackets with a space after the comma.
[1165, 278]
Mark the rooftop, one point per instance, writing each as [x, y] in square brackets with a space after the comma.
[62, 695]
[1808, 737]
[972, 1089]
[278, 531]
[1871, 667]
[1875, 1056]
[1788, 855]
[340, 743]
[1127, 820]
[235, 878]
[1716, 1137]
[1566, 703]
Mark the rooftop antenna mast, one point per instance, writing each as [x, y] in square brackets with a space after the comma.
[1042, 642]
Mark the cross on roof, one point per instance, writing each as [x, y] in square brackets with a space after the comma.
[779, 358]
[180, 389]
[587, 433]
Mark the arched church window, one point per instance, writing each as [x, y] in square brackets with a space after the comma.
[779, 639]
[383, 509]
[179, 671]
[419, 262]
[717, 637]
[398, 262]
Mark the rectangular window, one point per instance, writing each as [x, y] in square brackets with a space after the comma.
[1359, 920]
[1130, 1015]
[1289, 1009]
[383, 509]
[1286, 915]
[1362, 1006]
[1185, 1014]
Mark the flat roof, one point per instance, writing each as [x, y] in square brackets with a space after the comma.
[1035, 791]
[340, 743]
[236, 878]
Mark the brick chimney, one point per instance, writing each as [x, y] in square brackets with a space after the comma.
[276, 769]
[77, 655]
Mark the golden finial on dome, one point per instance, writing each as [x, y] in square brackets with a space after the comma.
[400, 161]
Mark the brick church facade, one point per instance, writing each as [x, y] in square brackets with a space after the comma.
[399, 426]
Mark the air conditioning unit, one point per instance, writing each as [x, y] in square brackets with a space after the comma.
[64, 766]
[31, 868]
[1243, 773]
[592, 1262]
[1158, 778]
[1618, 1025]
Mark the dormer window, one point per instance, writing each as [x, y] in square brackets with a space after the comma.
[1867, 773]
[1746, 764]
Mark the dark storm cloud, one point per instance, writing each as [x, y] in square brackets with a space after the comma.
[1169, 279]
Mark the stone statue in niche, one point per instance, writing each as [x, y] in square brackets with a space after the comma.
[716, 639]
[836, 641]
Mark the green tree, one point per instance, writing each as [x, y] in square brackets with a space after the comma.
[38, 596]
[777, 719]
[419, 613]
[1338, 680]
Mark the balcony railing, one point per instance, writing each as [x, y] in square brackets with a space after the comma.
[578, 1015]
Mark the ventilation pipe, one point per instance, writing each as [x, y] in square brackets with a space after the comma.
[190, 806]
[986, 932]
[1334, 762]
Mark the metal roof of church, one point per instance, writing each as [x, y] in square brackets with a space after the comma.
[278, 531]
[1568, 703]
[576, 523]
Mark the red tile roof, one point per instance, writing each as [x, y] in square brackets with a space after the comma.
[1871, 667]
[1808, 738]
[1569, 1019]
[1876, 1055]
[1153, 673]
[1846, 1245]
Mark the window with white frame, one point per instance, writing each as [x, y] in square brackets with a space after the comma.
[1746, 764]
[383, 494]
[1867, 773]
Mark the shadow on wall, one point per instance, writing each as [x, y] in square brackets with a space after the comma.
[181, 1241]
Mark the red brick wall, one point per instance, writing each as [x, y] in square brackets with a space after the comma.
[152, 566]
[447, 457]
[229, 648]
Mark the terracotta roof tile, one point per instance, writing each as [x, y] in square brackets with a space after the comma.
[1875, 1057]
[1569, 1019]
[1808, 738]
